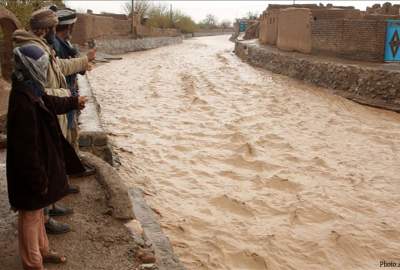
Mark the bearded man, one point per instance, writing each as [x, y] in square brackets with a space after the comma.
[42, 31]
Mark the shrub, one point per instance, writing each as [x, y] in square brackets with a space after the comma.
[24, 8]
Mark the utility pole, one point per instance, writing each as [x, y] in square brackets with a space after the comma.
[170, 15]
[132, 14]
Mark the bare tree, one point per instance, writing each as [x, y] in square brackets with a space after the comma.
[210, 20]
[226, 24]
[140, 6]
[251, 15]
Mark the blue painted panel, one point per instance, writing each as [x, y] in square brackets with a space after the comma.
[242, 26]
[392, 43]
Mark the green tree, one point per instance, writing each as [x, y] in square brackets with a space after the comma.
[24, 8]
[184, 23]
[159, 16]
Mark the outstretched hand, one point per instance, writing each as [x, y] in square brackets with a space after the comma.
[90, 66]
[91, 54]
[82, 102]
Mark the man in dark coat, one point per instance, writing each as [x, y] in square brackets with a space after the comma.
[65, 50]
[38, 156]
[42, 32]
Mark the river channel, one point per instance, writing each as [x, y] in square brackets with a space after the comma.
[247, 169]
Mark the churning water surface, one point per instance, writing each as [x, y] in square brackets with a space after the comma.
[251, 170]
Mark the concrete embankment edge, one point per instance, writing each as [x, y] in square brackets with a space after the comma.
[127, 204]
[92, 137]
[166, 260]
[116, 192]
[374, 85]
[125, 45]
[207, 34]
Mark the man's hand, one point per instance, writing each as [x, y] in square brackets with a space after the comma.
[82, 101]
[90, 66]
[91, 54]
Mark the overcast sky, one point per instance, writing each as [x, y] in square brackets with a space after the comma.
[199, 9]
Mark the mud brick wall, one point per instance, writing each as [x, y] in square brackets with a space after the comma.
[269, 27]
[364, 40]
[341, 32]
[93, 27]
[279, 6]
[327, 36]
[334, 14]
[90, 26]
[263, 28]
[294, 33]
[355, 39]
[115, 16]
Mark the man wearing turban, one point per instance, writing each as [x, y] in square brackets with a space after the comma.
[65, 50]
[38, 155]
[43, 24]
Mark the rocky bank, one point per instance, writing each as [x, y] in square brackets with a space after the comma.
[367, 83]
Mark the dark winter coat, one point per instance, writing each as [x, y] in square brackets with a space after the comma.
[38, 155]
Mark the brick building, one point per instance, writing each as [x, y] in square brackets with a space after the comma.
[342, 32]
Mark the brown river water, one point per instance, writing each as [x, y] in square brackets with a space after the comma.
[251, 170]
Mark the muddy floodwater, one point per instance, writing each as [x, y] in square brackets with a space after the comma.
[251, 170]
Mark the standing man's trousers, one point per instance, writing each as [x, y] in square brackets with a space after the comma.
[32, 238]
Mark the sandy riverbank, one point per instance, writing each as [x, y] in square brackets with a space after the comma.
[251, 170]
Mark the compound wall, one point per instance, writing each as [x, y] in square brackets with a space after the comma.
[90, 26]
[357, 39]
[341, 32]
[269, 27]
[294, 31]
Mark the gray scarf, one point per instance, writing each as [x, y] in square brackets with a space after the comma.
[34, 61]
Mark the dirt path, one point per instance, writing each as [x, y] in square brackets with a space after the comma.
[251, 170]
[97, 241]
